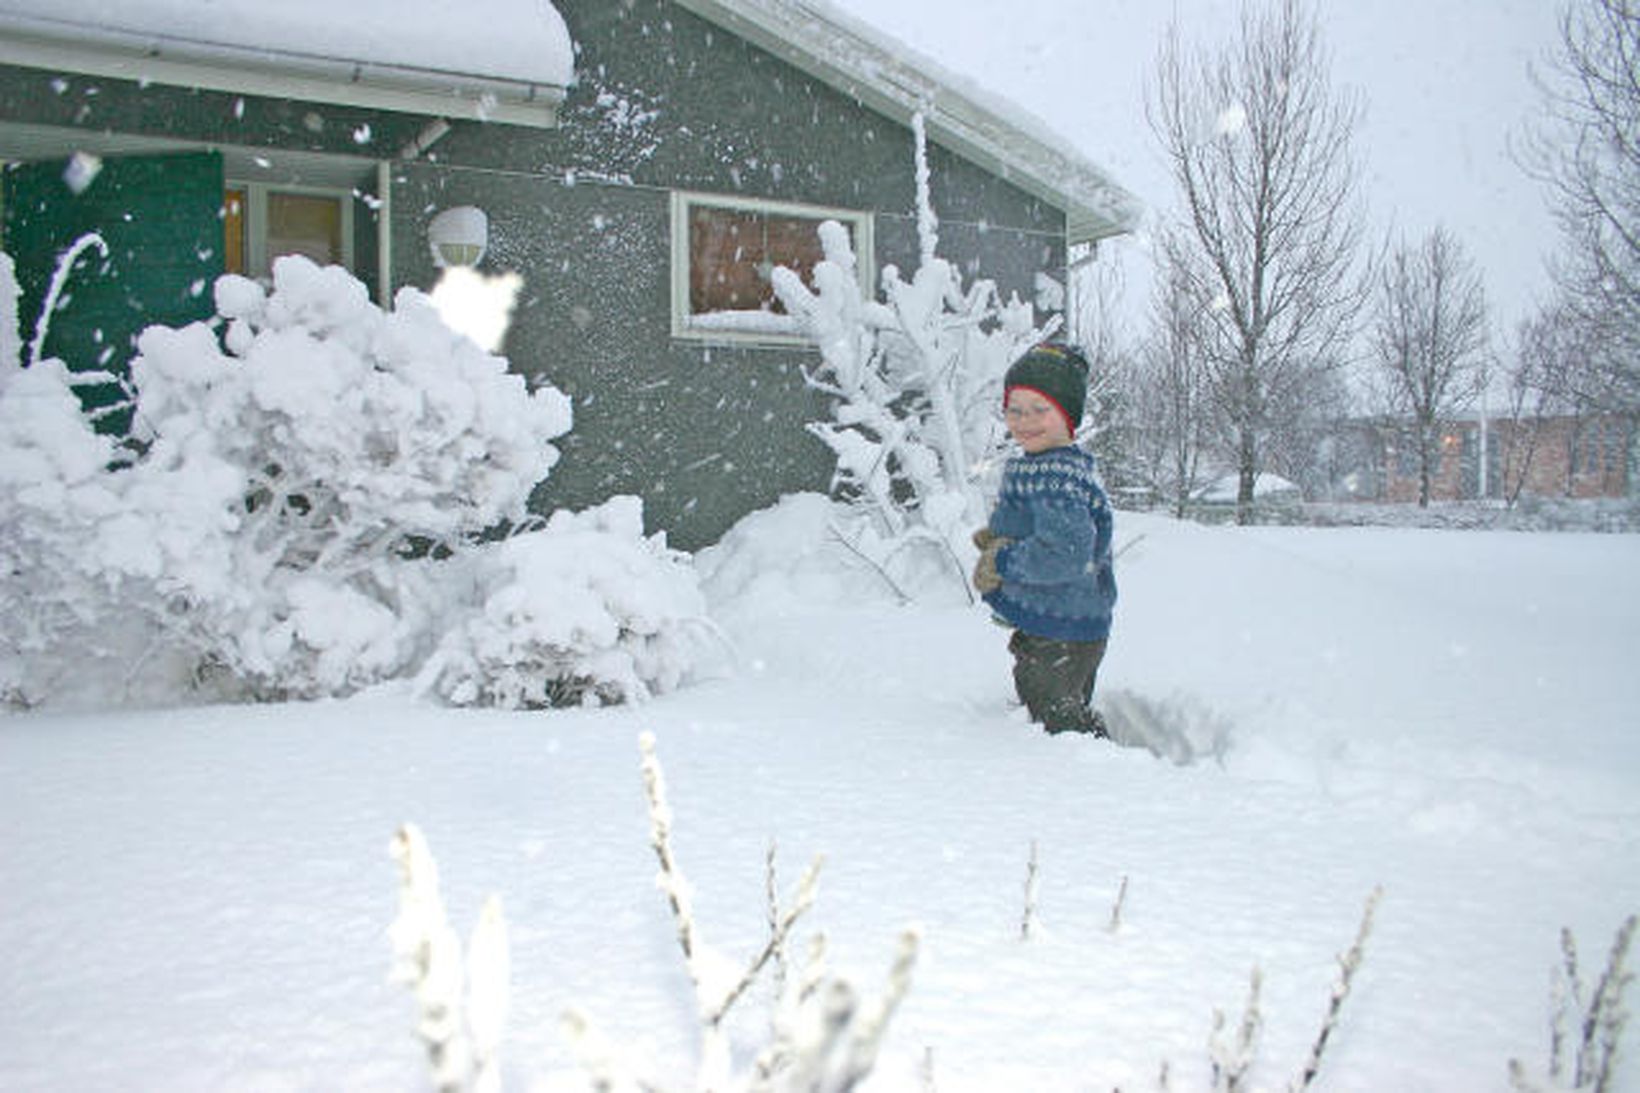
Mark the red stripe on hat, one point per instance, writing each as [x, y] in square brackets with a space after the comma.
[1007, 393]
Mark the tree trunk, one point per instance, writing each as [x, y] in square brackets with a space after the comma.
[1248, 459]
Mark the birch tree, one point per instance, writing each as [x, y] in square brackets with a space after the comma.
[1259, 145]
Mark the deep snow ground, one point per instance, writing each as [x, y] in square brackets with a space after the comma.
[198, 899]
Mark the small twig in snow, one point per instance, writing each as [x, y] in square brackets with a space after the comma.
[1116, 908]
[771, 892]
[807, 886]
[427, 956]
[1599, 1017]
[1231, 1061]
[1029, 921]
[901, 594]
[1129, 545]
[1348, 965]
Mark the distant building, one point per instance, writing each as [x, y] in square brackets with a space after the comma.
[1561, 456]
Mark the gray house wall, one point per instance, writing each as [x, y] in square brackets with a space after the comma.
[663, 101]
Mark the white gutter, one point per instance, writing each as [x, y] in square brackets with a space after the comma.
[66, 45]
[860, 62]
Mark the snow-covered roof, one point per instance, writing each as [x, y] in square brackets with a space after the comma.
[886, 75]
[511, 60]
[507, 60]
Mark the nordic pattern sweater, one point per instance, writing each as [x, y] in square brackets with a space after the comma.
[1056, 575]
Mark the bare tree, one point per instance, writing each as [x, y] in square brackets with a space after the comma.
[1307, 449]
[1095, 327]
[1429, 337]
[1587, 153]
[1259, 144]
[1174, 414]
[1532, 381]
[1551, 376]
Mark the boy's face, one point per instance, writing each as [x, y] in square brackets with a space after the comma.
[1035, 422]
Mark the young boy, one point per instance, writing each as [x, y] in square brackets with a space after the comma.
[1045, 558]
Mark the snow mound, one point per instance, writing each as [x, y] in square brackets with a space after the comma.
[788, 555]
[1177, 727]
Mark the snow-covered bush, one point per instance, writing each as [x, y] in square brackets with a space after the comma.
[801, 551]
[344, 448]
[11, 348]
[585, 609]
[71, 619]
[51, 593]
[915, 381]
[300, 473]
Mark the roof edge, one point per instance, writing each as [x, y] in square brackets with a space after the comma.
[71, 46]
[863, 66]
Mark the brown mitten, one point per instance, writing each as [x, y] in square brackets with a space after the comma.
[986, 578]
[984, 537]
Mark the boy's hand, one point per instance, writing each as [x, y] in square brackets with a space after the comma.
[986, 578]
[984, 537]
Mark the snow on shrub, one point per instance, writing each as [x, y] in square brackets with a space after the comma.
[584, 610]
[294, 483]
[50, 463]
[355, 423]
[339, 446]
[915, 383]
[797, 552]
[11, 347]
[308, 507]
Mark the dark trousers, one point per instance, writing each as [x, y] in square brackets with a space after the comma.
[1055, 680]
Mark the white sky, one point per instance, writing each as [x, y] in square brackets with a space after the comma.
[1445, 83]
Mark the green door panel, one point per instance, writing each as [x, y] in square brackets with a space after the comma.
[161, 217]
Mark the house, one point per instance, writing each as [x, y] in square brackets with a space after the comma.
[641, 164]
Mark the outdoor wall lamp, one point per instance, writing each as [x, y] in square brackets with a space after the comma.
[459, 236]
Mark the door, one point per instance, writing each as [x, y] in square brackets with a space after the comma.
[162, 219]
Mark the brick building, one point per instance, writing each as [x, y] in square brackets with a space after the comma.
[1570, 456]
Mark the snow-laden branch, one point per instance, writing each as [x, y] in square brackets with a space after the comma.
[461, 1000]
[54, 291]
[916, 381]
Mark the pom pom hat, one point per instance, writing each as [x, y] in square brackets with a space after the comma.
[1056, 371]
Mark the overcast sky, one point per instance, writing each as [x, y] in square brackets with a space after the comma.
[1445, 84]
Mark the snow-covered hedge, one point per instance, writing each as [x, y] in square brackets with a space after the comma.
[351, 445]
[584, 610]
[56, 602]
[11, 348]
[298, 515]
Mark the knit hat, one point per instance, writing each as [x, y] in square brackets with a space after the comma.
[1056, 371]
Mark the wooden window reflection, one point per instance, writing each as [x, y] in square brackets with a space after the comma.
[733, 252]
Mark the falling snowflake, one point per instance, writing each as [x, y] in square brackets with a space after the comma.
[1232, 120]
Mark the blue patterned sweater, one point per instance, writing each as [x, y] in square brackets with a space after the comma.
[1056, 575]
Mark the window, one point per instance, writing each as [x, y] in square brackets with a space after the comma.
[262, 222]
[1406, 453]
[724, 250]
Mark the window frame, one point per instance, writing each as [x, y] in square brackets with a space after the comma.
[258, 264]
[683, 202]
